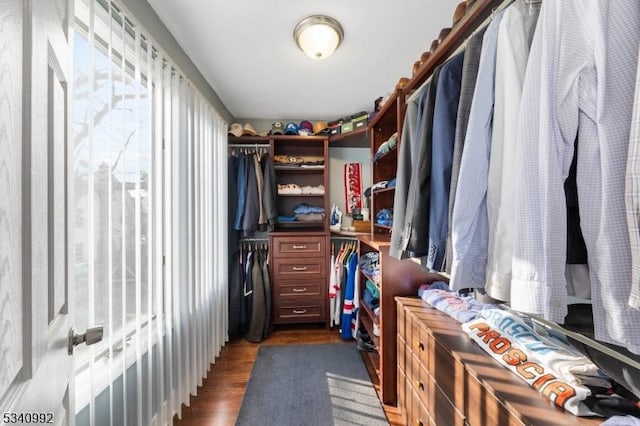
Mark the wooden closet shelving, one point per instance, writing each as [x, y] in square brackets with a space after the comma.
[402, 277]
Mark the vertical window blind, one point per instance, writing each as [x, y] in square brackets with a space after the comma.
[147, 197]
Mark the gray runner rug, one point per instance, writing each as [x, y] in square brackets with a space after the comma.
[323, 384]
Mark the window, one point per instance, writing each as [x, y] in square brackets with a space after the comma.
[148, 183]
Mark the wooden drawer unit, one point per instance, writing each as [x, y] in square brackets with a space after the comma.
[449, 380]
[300, 289]
[307, 311]
[303, 269]
[299, 277]
[299, 246]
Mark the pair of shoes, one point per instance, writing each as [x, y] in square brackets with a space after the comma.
[366, 346]
[364, 343]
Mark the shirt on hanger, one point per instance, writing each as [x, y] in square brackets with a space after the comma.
[632, 196]
[580, 75]
[470, 228]
[514, 39]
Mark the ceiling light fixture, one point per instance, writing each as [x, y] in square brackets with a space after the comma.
[318, 36]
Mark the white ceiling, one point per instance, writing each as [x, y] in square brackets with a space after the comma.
[245, 50]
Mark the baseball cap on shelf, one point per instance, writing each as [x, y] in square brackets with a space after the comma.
[291, 129]
[305, 128]
[320, 126]
[248, 130]
[235, 129]
[277, 128]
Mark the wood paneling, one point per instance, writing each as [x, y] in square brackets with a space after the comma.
[220, 396]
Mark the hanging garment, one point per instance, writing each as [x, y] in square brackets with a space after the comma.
[258, 310]
[355, 318]
[467, 86]
[232, 204]
[470, 227]
[242, 190]
[348, 310]
[579, 82]
[444, 129]
[332, 288]
[252, 202]
[406, 151]
[245, 310]
[514, 38]
[416, 226]
[262, 219]
[267, 292]
[270, 192]
[632, 195]
[235, 294]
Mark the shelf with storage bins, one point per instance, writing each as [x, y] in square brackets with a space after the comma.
[358, 138]
[301, 161]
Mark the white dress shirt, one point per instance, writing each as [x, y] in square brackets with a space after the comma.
[579, 81]
[514, 39]
[632, 197]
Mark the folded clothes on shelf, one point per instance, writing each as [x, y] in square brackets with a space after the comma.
[386, 146]
[309, 189]
[289, 188]
[304, 208]
[310, 217]
[282, 219]
[385, 217]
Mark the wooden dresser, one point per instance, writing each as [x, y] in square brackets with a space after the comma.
[299, 276]
[444, 378]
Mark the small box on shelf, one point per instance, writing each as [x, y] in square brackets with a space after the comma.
[346, 127]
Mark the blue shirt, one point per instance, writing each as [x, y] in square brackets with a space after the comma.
[444, 131]
[470, 227]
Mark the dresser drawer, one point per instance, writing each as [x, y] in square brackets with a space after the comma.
[296, 247]
[300, 289]
[313, 311]
[483, 408]
[303, 268]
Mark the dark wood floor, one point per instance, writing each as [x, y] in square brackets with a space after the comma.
[219, 399]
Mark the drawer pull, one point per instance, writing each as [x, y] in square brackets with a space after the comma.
[299, 290]
[420, 346]
[419, 423]
[419, 385]
[299, 312]
[300, 247]
[299, 268]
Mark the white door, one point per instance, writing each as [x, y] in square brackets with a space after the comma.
[36, 370]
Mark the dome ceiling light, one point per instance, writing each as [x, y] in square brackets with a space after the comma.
[318, 36]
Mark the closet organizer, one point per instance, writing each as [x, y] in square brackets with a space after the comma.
[487, 209]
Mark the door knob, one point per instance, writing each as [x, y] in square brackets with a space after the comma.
[90, 336]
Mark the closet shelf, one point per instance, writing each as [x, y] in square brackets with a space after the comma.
[259, 140]
[301, 224]
[355, 139]
[310, 170]
[392, 156]
[377, 225]
[390, 103]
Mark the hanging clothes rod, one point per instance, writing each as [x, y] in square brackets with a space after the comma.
[243, 240]
[248, 145]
